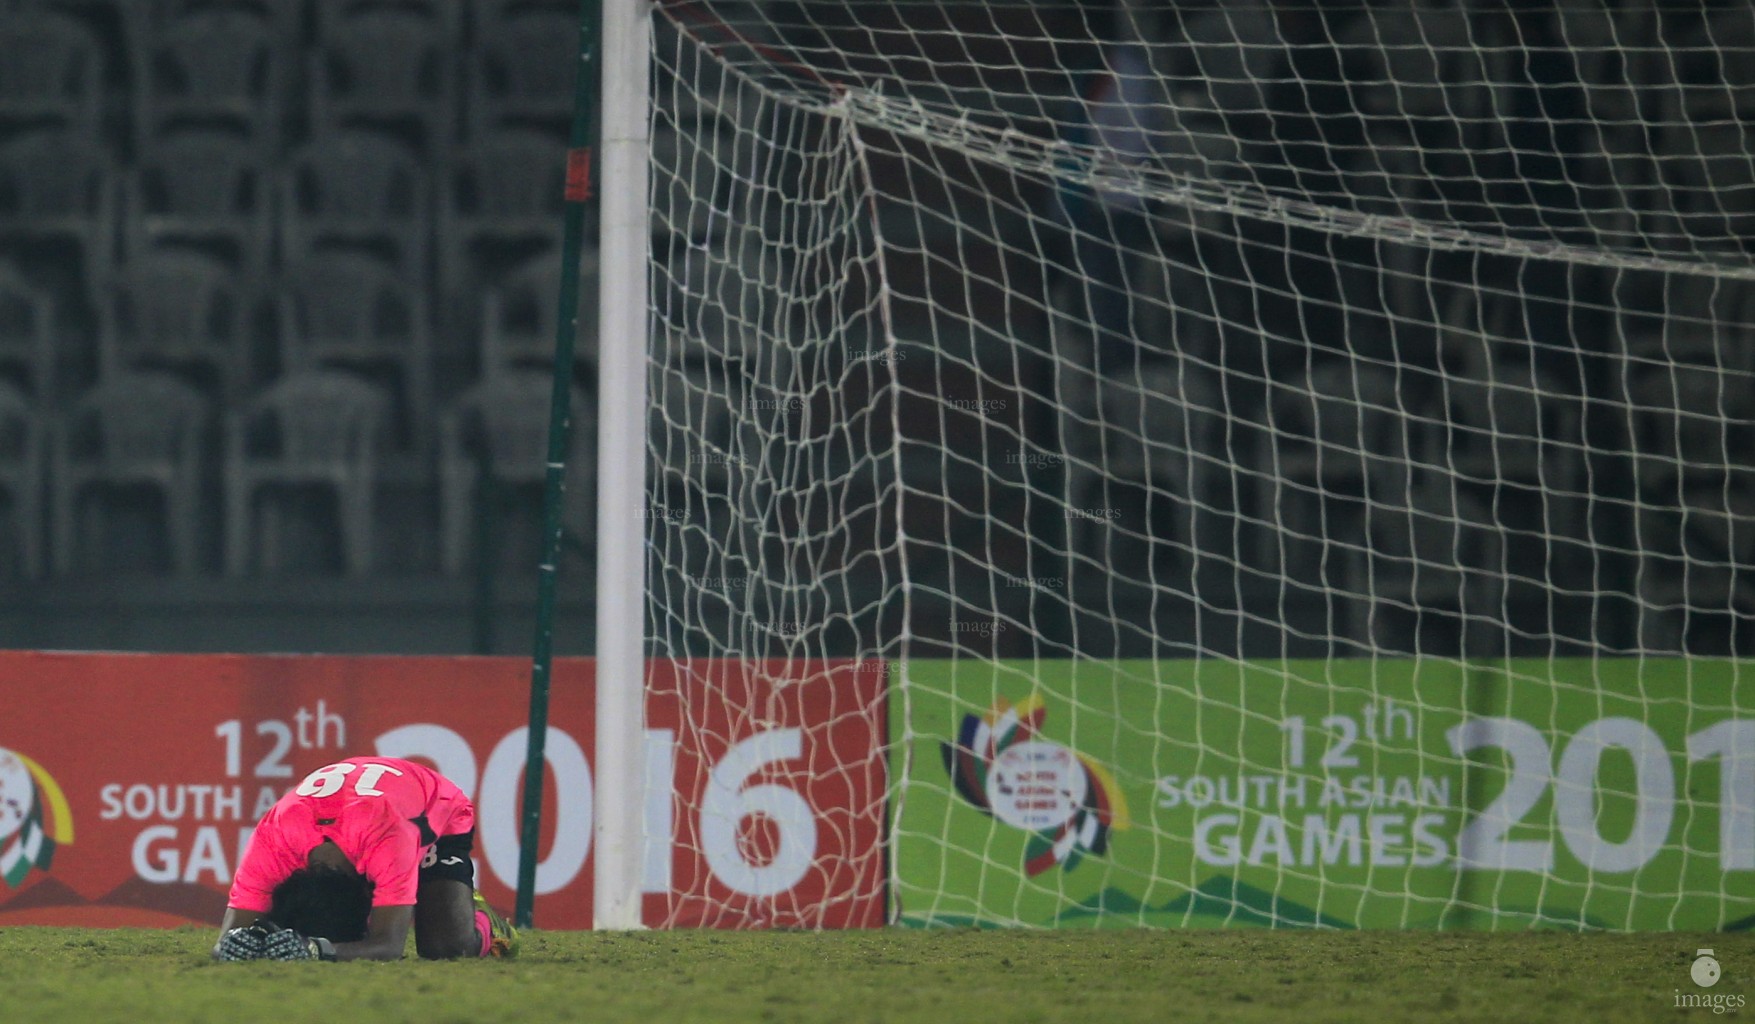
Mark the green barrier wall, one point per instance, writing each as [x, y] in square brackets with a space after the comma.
[1391, 793]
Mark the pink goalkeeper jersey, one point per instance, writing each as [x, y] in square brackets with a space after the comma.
[384, 813]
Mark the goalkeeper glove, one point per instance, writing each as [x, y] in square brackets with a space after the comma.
[285, 944]
[245, 943]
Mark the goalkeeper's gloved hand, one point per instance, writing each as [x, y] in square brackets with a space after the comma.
[246, 943]
[285, 944]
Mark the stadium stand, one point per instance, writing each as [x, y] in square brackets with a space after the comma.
[371, 185]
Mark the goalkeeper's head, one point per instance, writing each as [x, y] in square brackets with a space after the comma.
[323, 901]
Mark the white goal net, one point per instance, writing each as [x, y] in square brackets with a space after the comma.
[1291, 462]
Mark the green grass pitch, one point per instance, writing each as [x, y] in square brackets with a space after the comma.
[892, 975]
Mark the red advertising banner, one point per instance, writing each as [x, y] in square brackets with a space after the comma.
[129, 784]
[779, 802]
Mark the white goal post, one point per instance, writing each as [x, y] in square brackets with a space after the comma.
[621, 460]
[1291, 461]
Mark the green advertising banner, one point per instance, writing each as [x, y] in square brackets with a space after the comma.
[1373, 793]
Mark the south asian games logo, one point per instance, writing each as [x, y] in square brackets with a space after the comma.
[1068, 802]
[34, 818]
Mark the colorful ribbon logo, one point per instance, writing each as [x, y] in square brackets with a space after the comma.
[1066, 801]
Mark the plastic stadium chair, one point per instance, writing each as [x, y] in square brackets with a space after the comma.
[349, 311]
[1693, 428]
[59, 187]
[1430, 547]
[131, 430]
[387, 70]
[315, 428]
[21, 474]
[501, 425]
[522, 72]
[200, 189]
[1337, 443]
[224, 68]
[502, 203]
[358, 191]
[27, 332]
[52, 74]
[180, 310]
[501, 208]
[519, 311]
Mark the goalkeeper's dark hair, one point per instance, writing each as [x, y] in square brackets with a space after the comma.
[321, 901]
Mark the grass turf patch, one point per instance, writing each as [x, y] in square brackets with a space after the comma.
[895, 976]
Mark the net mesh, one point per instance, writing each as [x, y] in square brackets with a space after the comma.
[1021, 337]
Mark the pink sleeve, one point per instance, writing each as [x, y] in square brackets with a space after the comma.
[264, 866]
[452, 813]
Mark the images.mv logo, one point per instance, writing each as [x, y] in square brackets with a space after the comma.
[1705, 972]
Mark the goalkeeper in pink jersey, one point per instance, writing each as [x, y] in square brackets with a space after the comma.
[361, 849]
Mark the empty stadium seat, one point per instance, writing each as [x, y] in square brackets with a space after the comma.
[52, 75]
[519, 316]
[346, 310]
[201, 189]
[521, 72]
[222, 68]
[133, 430]
[310, 429]
[21, 475]
[27, 333]
[358, 191]
[179, 310]
[386, 69]
[500, 427]
[58, 190]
